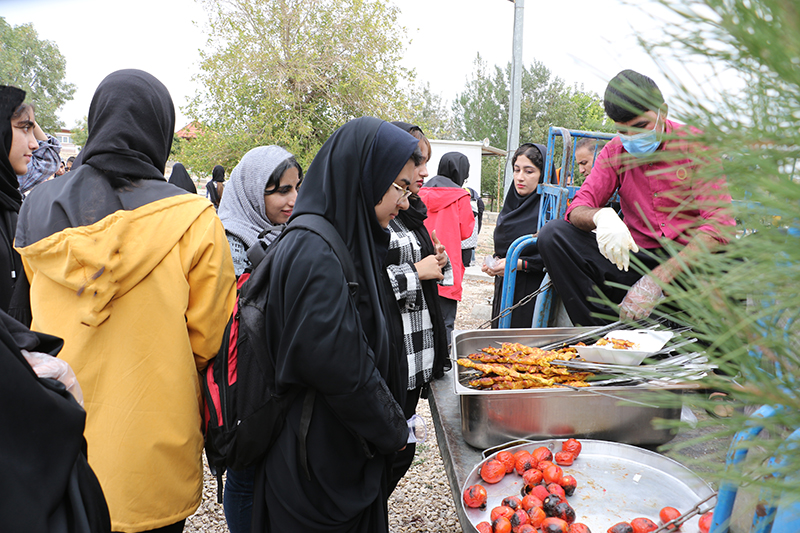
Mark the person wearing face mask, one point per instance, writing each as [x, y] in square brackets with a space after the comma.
[653, 169]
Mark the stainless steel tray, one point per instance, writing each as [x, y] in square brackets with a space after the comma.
[616, 482]
[490, 418]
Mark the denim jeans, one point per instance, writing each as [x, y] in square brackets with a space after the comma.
[238, 499]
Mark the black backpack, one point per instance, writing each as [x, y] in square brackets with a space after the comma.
[243, 414]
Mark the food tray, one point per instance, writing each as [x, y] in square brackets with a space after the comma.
[649, 342]
[491, 418]
[616, 482]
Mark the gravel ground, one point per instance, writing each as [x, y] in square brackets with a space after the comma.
[422, 501]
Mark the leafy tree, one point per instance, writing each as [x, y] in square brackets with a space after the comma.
[290, 72]
[37, 67]
[80, 132]
[429, 112]
[481, 111]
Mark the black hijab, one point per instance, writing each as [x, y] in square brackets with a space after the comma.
[217, 176]
[10, 99]
[345, 181]
[414, 217]
[519, 216]
[131, 124]
[181, 178]
[454, 165]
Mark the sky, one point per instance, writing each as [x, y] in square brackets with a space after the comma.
[584, 42]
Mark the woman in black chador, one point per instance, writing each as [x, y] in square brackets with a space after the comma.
[348, 353]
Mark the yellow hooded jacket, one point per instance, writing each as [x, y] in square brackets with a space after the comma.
[141, 298]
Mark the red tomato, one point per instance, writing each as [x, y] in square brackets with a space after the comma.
[536, 515]
[540, 491]
[541, 465]
[501, 525]
[643, 525]
[552, 474]
[669, 513]
[621, 527]
[530, 501]
[558, 490]
[492, 471]
[524, 463]
[705, 521]
[527, 528]
[565, 512]
[484, 527]
[569, 484]
[520, 518]
[532, 477]
[554, 525]
[577, 527]
[542, 453]
[564, 458]
[512, 501]
[475, 496]
[508, 460]
[572, 446]
[501, 510]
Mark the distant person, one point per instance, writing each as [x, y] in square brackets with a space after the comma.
[44, 162]
[450, 215]
[136, 276]
[586, 152]
[468, 245]
[653, 170]
[216, 185]
[61, 169]
[519, 216]
[68, 165]
[181, 178]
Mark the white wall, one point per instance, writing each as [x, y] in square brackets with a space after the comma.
[471, 149]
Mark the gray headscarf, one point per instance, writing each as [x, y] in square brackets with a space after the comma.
[242, 209]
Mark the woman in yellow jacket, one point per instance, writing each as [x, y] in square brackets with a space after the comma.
[136, 276]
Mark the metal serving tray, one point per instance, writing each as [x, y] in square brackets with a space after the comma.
[491, 418]
[616, 482]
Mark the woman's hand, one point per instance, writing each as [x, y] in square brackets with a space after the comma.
[439, 251]
[497, 269]
[428, 268]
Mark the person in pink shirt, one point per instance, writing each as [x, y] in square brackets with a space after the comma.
[653, 169]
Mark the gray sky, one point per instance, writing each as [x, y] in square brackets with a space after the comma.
[581, 41]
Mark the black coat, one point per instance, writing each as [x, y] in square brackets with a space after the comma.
[10, 197]
[347, 351]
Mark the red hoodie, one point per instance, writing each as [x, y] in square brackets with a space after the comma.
[450, 214]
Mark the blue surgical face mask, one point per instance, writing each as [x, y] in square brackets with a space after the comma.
[641, 144]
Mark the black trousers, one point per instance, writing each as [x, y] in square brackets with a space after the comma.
[403, 459]
[580, 272]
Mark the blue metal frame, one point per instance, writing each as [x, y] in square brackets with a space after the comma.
[553, 205]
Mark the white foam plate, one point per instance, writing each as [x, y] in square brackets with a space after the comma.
[647, 342]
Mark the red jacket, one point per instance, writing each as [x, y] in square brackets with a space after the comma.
[450, 214]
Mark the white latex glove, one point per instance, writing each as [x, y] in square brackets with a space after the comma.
[47, 366]
[613, 238]
[641, 299]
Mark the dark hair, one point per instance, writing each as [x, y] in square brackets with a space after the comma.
[71, 159]
[594, 145]
[275, 178]
[629, 94]
[20, 110]
[417, 157]
[530, 151]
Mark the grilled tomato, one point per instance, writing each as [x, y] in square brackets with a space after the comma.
[577, 527]
[643, 525]
[569, 485]
[554, 525]
[530, 501]
[492, 471]
[565, 512]
[475, 496]
[705, 521]
[532, 477]
[520, 518]
[552, 474]
[484, 527]
[573, 446]
[501, 525]
[669, 513]
[501, 510]
[621, 527]
[564, 458]
[512, 501]
[508, 460]
[558, 490]
[542, 453]
[524, 463]
[536, 516]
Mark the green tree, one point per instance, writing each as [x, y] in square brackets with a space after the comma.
[37, 67]
[481, 111]
[80, 132]
[429, 111]
[290, 72]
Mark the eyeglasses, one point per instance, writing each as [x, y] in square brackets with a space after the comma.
[404, 193]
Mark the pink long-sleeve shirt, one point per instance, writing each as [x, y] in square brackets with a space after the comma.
[661, 197]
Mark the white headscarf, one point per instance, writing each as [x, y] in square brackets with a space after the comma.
[242, 209]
